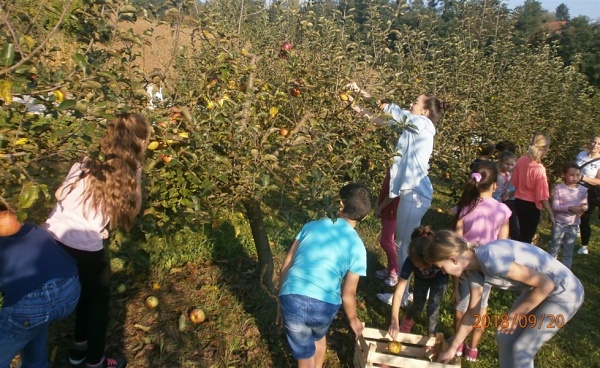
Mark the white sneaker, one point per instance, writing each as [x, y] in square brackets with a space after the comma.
[386, 297]
[583, 250]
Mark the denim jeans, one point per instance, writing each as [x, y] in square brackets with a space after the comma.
[306, 321]
[24, 325]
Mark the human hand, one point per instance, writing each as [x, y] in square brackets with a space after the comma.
[577, 210]
[357, 327]
[446, 356]
[394, 329]
[104, 234]
[356, 89]
[510, 327]
[353, 87]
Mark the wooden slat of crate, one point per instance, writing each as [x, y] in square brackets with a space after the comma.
[371, 348]
[372, 333]
[396, 361]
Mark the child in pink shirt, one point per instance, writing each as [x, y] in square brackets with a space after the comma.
[569, 203]
[480, 219]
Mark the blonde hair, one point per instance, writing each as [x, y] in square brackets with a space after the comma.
[111, 187]
[538, 146]
[443, 245]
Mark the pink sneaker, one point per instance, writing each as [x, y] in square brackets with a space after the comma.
[471, 354]
[392, 279]
[460, 350]
[406, 324]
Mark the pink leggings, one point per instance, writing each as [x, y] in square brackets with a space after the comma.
[388, 228]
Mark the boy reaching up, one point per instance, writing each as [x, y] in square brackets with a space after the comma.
[320, 273]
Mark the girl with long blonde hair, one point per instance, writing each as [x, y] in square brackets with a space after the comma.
[99, 194]
[533, 193]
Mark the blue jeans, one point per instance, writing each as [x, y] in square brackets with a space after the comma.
[306, 321]
[24, 325]
[564, 236]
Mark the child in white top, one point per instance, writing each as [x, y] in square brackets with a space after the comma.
[569, 203]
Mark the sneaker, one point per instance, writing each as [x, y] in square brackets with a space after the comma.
[471, 354]
[78, 353]
[583, 250]
[392, 279]
[386, 297]
[382, 274]
[406, 324]
[110, 363]
[460, 350]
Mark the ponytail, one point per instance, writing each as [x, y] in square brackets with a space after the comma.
[481, 180]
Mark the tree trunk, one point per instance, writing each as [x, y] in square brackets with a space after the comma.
[261, 241]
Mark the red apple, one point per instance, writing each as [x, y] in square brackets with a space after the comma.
[287, 46]
[9, 224]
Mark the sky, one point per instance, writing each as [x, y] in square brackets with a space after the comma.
[589, 8]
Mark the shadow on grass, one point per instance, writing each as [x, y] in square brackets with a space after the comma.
[239, 274]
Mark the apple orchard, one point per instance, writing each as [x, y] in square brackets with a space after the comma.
[255, 116]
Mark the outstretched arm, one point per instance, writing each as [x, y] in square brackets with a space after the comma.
[349, 302]
[466, 324]
[396, 302]
[287, 263]
[373, 118]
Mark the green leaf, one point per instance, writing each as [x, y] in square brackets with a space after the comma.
[81, 61]
[29, 194]
[8, 54]
[66, 105]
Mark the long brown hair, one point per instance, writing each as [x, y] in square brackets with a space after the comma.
[443, 245]
[111, 187]
[435, 107]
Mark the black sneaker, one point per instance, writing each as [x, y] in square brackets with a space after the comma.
[77, 354]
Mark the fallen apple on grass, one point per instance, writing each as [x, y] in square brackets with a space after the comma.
[151, 302]
[197, 316]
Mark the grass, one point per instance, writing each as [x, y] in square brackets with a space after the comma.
[216, 269]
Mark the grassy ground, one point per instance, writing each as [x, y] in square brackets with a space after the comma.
[216, 270]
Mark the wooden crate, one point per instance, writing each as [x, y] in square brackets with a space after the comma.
[417, 351]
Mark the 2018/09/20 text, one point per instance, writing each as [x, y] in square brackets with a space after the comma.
[519, 320]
